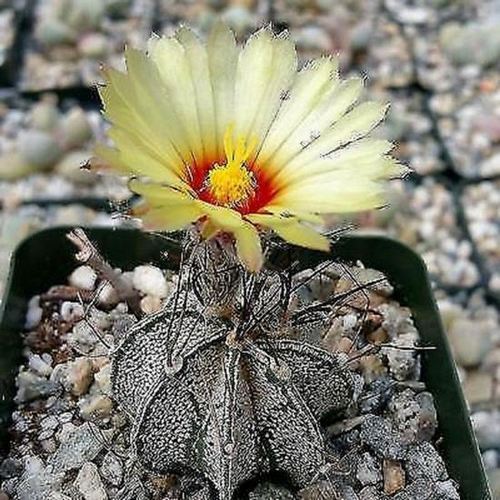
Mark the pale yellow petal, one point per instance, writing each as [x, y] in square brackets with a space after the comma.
[130, 164]
[247, 239]
[197, 59]
[279, 80]
[291, 230]
[111, 156]
[148, 102]
[222, 61]
[121, 109]
[282, 211]
[170, 59]
[248, 247]
[326, 116]
[139, 161]
[209, 230]
[171, 218]
[347, 193]
[309, 87]
[225, 218]
[158, 194]
[365, 156]
[352, 126]
[265, 69]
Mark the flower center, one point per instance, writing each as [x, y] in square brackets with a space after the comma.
[233, 183]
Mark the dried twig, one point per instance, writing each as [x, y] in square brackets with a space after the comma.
[88, 254]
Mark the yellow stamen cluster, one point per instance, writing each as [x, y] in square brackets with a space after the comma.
[232, 183]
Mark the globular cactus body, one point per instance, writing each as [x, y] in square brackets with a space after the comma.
[220, 398]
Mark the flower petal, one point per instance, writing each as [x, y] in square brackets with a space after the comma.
[160, 194]
[318, 124]
[367, 156]
[353, 126]
[138, 160]
[265, 69]
[171, 218]
[225, 218]
[170, 59]
[222, 61]
[209, 230]
[246, 236]
[310, 86]
[282, 211]
[292, 231]
[197, 60]
[111, 157]
[343, 194]
[150, 115]
[248, 247]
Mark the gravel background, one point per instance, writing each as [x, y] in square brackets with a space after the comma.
[436, 61]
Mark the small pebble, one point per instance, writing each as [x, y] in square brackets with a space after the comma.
[107, 295]
[96, 407]
[78, 445]
[83, 277]
[89, 483]
[150, 280]
[31, 387]
[369, 470]
[72, 311]
[34, 313]
[80, 375]
[112, 469]
[150, 304]
[39, 366]
[394, 477]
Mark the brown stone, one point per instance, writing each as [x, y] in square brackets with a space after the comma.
[344, 345]
[96, 408]
[371, 367]
[80, 376]
[379, 336]
[394, 477]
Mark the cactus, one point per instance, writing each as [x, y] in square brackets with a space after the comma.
[225, 383]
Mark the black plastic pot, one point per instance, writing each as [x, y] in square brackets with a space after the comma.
[9, 61]
[46, 258]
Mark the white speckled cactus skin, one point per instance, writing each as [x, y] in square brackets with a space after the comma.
[221, 385]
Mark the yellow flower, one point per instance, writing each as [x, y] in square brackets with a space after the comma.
[239, 140]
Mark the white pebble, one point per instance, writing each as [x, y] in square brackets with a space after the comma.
[38, 365]
[47, 358]
[89, 483]
[103, 379]
[71, 311]
[150, 281]
[34, 313]
[150, 304]
[83, 277]
[107, 295]
[490, 459]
